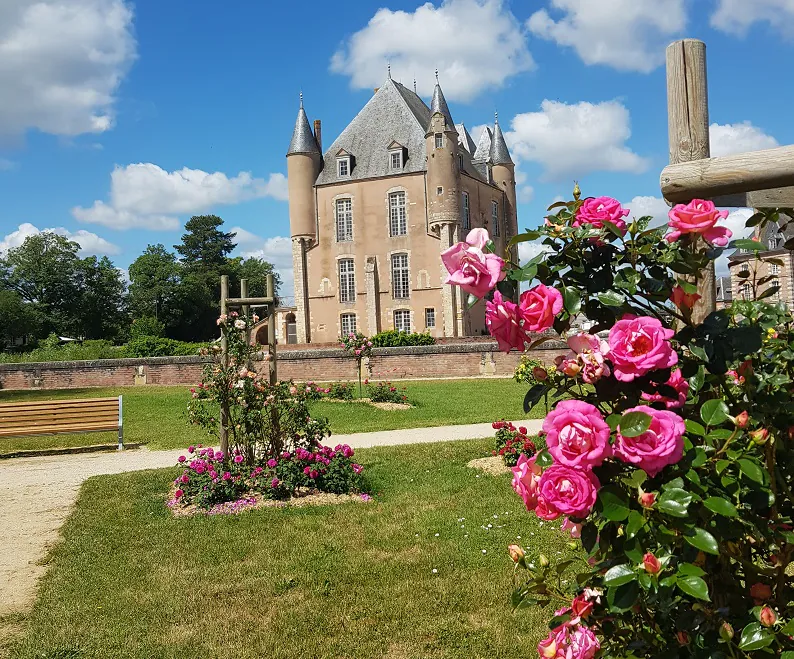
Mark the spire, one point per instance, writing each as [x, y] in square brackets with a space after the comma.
[388, 70]
[499, 155]
[302, 137]
[439, 104]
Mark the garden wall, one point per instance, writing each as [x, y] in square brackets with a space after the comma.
[452, 360]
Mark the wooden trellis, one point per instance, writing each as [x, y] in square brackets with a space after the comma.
[758, 179]
[245, 304]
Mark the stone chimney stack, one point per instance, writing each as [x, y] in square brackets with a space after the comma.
[318, 134]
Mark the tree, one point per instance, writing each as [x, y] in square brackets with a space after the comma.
[203, 245]
[16, 317]
[102, 306]
[154, 279]
[255, 270]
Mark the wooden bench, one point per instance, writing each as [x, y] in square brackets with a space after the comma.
[60, 417]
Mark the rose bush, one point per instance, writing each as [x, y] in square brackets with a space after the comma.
[673, 461]
[512, 442]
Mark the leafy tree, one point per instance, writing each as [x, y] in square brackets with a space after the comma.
[204, 246]
[154, 280]
[102, 306]
[255, 270]
[16, 317]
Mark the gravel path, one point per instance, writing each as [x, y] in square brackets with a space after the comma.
[37, 495]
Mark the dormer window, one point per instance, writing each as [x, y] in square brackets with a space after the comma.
[439, 140]
[344, 164]
[397, 153]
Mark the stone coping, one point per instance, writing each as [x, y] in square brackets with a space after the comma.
[319, 353]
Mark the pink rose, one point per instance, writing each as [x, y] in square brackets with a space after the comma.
[526, 476]
[676, 381]
[699, 216]
[574, 529]
[502, 321]
[661, 445]
[538, 306]
[587, 357]
[638, 345]
[577, 435]
[178, 494]
[651, 564]
[595, 211]
[582, 643]
[475, 271]
[568, 491]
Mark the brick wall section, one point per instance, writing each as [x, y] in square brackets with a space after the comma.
[451, 360]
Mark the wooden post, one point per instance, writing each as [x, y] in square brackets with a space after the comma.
[271, 329]
[223, 432]
[245, 310]
[688, 132]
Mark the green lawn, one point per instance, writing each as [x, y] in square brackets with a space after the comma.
[157, 415]
[353, 580]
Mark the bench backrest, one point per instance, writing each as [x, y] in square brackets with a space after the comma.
[54, 417]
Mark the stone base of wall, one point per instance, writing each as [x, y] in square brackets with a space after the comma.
[450, 360]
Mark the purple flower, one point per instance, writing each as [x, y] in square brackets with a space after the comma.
[275, 483]
[356, 468]
[181, 458]
[185, 478]
[365, 497]
[307, 470]
[226, 475]
[272, 463]
[200, 469]
[191, 449]
[314, 474]
[238, 459]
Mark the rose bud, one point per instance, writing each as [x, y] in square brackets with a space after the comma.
[741, 420]
[760, 436]
[516, 553]
[647, 499]
[581, 607]
[651, 564]
[767, 617]
[682, 637]
[544, 562]
[540, 373]
[726, 631]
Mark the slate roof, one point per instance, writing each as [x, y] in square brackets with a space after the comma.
[464, 139]
[483, 151]
[500, 155]
[439, 104]
[302, 137]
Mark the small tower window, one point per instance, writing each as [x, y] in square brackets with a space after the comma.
[773, 242]
[343, 166]
[466, 213]
[495, 217]
[396, 159]
[774, 269]
[439, 190]
[460, 162]
[439, 140]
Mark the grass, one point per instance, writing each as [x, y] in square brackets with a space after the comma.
[353, 580]
[157, 415]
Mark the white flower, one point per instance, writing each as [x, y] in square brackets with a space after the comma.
[239, 324]
[255, 318]
[240, 384]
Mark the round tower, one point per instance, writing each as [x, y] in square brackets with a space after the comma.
[504, 176]
[443, 173]
[303, 165]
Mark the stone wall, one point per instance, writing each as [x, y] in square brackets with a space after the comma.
[454, 360]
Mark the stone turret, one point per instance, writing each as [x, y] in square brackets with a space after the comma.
[504, 176]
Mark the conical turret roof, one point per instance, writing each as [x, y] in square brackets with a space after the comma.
[439, 104]
[302, 137]
[500, 154]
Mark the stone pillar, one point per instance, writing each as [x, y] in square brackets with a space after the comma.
[373, 295]
[449, 304]
[299, 269]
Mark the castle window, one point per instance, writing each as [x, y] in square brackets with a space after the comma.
[774, 269]
[400, 276]
[343, 166]
[439, 140]
[439, 190]
[347, 323]
[396, 159]
[746, 291]
[430, 318]
[347, 281]
[460, 163]
[466, 212]
[773, 242]
[402, 320]
[495, 217]
[344, 220]
[398, 225]
[775, 283]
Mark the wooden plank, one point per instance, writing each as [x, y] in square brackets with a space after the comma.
[110, 405]
[59, 421]
[52, 414]
[774, 198]
[57, 430]
[688, 134]
[57, 403]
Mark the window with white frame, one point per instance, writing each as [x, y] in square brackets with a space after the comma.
[466, 212]
[746, 291]
[495, 217]
[343, 166]
[774, 269]
[772, 242]
[775, 283]
[398, 225]
[430, 318]
[344, 220]
[400, 276]
[347, 323]
[402, 320]
[347, 281]
[396, 159]
[439, 140]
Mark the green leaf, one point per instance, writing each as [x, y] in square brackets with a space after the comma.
[613, 421]
[635, 523]
[700, 458]
[714, 412]
[703, 540]
[612, 228]
[589, 536]
[614, 506]
[752, 471]
[611, 298]
[633, 424]
[672, 508]
[690, 570]
[544, 459]
[755, 637]
[721, 506]
[619, 574]
[788, 628]
[698, 352]
[675, 502]
[695, 428]
[788, 654]
[623, 597]
[746, 243]
[533, 396]
[572, 301]
[523, 237]
[697, 380]
[694, 586]
[561, 619]
[637, 478]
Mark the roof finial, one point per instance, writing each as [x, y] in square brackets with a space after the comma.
[388, 69]
[301, 96]
[414, 84]
[436, 76]
[496, 117]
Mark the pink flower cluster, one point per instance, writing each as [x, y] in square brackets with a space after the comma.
[639, 345]
[572, 639]
[587, 358]
[470, 267]
[512, 324]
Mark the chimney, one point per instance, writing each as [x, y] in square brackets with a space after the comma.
[375, 91]
[318, 134]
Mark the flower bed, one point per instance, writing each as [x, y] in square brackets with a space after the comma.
[512, 442]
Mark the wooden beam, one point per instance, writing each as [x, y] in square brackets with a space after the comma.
[688, 134]
[728, 175]
[271, 330]
[223, 425]
[245, 301]
[775, 198]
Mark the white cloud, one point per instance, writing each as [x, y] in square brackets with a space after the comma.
[629, 35]
[726, 139]
[573, 140]
[475, 44]
[146, 196]
[656, 207]
[61, 64]
[531, 249]
[276, 250]
[736, 16]
[89, 242]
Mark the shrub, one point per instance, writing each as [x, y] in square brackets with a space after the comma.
[157, 346]
[50, 350]
[340, 391]
[530, 370]
[386, 392]
[394, 338]
[512, 442]
[146, 326]
[671, 457]
[357, 346]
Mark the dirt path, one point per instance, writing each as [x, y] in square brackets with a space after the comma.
[37, 495]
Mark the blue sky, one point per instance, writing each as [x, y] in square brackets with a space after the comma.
[121, 119]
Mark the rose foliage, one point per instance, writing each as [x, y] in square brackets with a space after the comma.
[670, 457]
